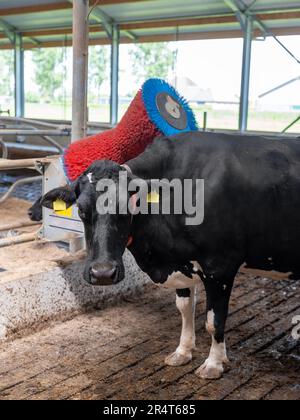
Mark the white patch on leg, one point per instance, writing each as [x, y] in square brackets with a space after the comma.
[213, 367]
[210, 324]
[186, 306]
[183, 353]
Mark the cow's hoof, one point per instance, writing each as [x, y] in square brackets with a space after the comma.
[178, 359]
[209, 371]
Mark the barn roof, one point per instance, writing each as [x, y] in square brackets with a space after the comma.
[49, 22]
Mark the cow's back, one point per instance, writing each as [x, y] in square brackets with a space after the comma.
[252, 193]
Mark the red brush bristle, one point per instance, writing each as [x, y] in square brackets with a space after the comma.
[125, 142]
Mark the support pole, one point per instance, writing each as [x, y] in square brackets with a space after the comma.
[80, 68]
[114, 95]
[245, 86]
[19, 77]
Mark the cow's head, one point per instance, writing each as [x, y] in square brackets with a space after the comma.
[106, 234]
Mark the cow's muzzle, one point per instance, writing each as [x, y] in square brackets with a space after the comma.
[104, 274]
[35, 213]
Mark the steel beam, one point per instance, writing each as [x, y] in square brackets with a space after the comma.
[19, 77]
[268, 32]
[233, 5]
[291, 125]
[104, 19]
[8, 29]
[245, 84]
[114, 95]
[246, 22]
[34, 133]
[11, 30]
[80, 68]
[239, 10]
[282, 85]
[131, 35]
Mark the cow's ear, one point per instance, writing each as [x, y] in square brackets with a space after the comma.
[153, 191]
[160, 187]
[66, 194]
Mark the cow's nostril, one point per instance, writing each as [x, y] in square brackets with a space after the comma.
[104, 273]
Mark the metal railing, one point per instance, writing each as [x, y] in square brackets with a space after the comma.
[16, 184]
[27, 129]
[4, 149]
[35, 164]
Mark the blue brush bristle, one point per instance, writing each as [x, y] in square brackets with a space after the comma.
[150, 90]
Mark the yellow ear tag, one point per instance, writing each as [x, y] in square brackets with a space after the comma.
[60, 208]
[153, 197]
[59, 205]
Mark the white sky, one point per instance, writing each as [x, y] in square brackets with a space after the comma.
[216, 64]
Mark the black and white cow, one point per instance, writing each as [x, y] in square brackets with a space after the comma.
[252, 218]
[35, 212]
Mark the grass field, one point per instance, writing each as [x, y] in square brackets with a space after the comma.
[220, 119]
[258, 121]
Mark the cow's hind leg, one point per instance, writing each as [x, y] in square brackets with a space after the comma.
[218, 296]
[185, 302]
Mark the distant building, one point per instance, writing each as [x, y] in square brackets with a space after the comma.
[191, 91]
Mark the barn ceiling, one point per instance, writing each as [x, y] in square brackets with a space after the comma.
[49, 22]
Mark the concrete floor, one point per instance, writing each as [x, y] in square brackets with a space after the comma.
[118, 353]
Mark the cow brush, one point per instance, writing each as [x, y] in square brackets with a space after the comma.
[156, 110]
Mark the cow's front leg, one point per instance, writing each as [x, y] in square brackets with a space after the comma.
[218, 296]
[185, 302]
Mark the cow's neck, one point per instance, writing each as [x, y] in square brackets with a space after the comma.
[149, 231]
[155, 246]
[148, 166]
[152, 242]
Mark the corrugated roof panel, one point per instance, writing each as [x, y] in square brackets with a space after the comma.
[273, 5]
[163, 8]
[138, 12]
[186, 29]
[4, 4]
[48, 19]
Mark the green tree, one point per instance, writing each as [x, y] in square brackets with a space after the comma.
[7, 73]
[49, 71]
[152, 60]
[98, 69]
